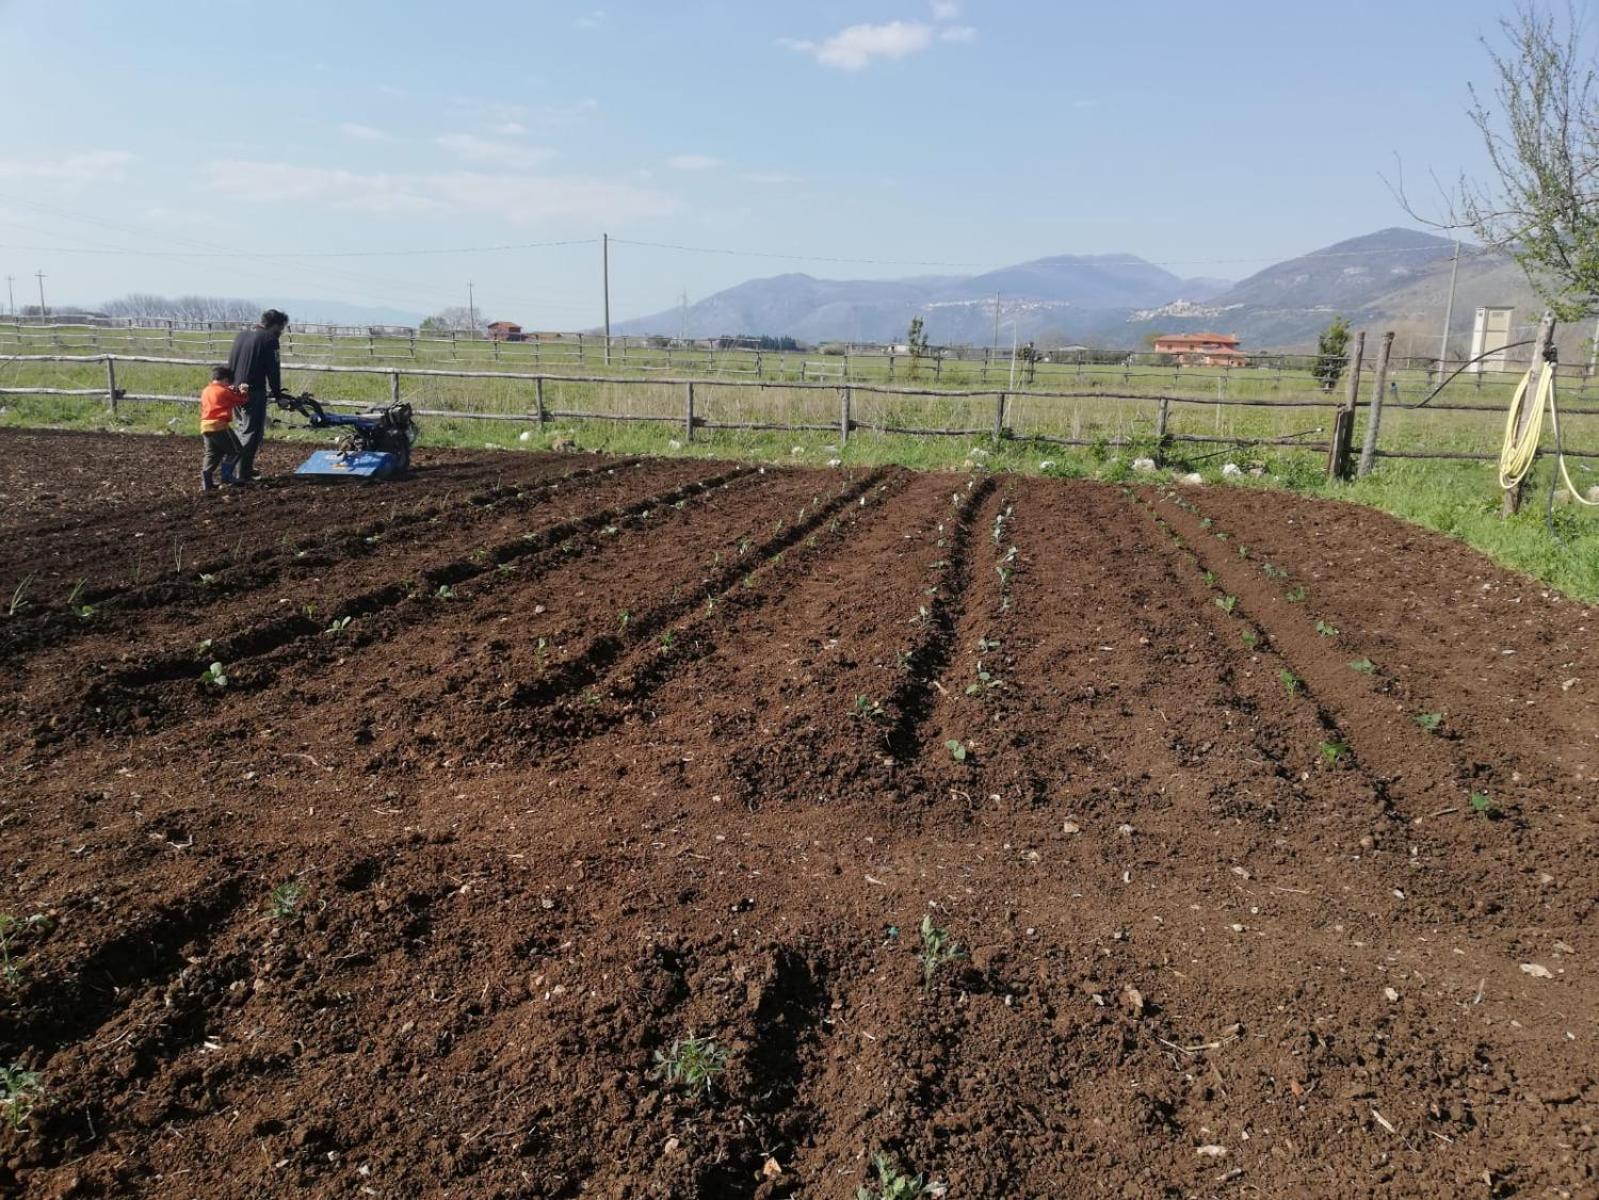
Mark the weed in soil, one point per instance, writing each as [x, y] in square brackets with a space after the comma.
[691, 1063]
[1326, 630]
[1334, 753]
[937, 948]
[1363, 665]
[285, 900]
[1227, 603]
[11, 927]
[20, 1093]
[957, 750]
[1289, 680]
[1484, 806]
[891, 1185]
[1430, 721]
[214, 677]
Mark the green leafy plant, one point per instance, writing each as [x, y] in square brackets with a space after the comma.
[622, 620]
[691, 1063]
[1243, 551]
[668, 637]
[1274, 572]
[1483, 805]
[541, 650]
[1297, 595]
[215, 677]
[207, 580]
[891, 1185]
[937, 948]
[10, 928]
[1210, 579]
[957, 750]
[445, 592]
[1227, 603]
[1326, 630]
[1289, 680]
[84, 612]
[1430, 721]
[285, 899]
[203, 645]
[340, 624]
[1363, 665]
[1334, 753]
[867, 709]
[20, 1093]
[1249, 638]
[19, 596]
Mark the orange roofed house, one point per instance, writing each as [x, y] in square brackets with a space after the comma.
[1202, 349]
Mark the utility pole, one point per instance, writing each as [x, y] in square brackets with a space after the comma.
[11, 297]
[1015, 335]
[1449, 313]
[43, 312]
[605, 271]
[471, 307]
[994, 347]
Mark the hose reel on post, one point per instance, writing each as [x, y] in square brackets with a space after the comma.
[1524, 430]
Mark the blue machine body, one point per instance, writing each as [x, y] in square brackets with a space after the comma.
[356, 464]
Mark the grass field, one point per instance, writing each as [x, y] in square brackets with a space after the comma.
[1457, 498]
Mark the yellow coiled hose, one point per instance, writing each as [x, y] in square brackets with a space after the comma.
[1517, 454]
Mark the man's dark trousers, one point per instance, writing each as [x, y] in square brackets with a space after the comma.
[250, 425]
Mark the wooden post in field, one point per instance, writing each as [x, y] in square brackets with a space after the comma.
[1344, 417]
[843, 414]
[688, 411]
[999, 419]
[538, 400]
[1379, 382]
[394, 387]
[1529, 412]
[1162, 412]
[111, 383]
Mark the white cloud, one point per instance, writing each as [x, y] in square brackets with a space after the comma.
[774, 178]
[519, 199]
[97, 166]
[500, 154]
[693, 162]
[855, 48]
[364, 133]
[945, 10]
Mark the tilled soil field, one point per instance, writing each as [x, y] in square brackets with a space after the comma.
[1262, 829]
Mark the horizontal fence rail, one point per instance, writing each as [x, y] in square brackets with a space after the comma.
[846, 390]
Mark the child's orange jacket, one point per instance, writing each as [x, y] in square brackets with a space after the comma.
[217, 403]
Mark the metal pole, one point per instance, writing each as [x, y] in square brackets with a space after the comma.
[471, 307]
[1449, 313]
[43, 312]
[605, 269]
[994, 348]
[11, 299]
[1015, 333]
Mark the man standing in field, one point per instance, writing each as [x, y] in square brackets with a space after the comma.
[254, 361]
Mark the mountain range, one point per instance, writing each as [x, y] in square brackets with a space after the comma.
[1392, 279]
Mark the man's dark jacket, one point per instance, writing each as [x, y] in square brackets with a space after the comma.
[254, 360]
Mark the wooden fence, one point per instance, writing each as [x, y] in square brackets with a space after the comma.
[694, 390]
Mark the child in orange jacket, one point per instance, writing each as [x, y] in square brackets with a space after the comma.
[222, 448]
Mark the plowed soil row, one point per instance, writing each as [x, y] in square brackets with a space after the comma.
[419, 907]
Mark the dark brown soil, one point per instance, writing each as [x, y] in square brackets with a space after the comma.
[569, 759]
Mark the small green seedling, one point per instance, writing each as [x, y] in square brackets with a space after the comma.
[1206, 522]
[1326, 630]
[203, 645]
[1364, 665]
[743, 546]
[207, 580]
[19, 596]
[891, 1185]
[84, 612]
[445, 592]
[1289, 680]
[1243, 552]
[667, 638]
[1483, 805]
[1297, 596]
[1210, 579]
[285, 901]
[1249, 638]
[867, 709]
[938, 948]
[622, 620]
[1227, 603]
[692, 1063]
[1274, 572]
[340, 624]
[956, 749]
[985, 681]
[10, 927]
[541, 650]
[1430, 721]
[215, 677]
[20, 1093]
[1334, 753]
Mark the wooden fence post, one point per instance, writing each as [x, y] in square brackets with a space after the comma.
[1162, 412]
[1540, 350]
[688, 411]
[1379, 382]
[111, 383]
[538, 400]
[843, 414]
[999, 419]
[394, 387]
[1344, 417]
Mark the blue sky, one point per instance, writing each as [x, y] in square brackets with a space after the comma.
[228, 142]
